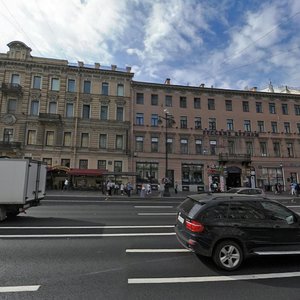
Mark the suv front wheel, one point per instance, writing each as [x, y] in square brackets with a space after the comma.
[228, 255]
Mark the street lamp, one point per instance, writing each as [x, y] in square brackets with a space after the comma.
[169, 120]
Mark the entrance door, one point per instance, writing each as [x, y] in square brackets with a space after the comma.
[233, 177]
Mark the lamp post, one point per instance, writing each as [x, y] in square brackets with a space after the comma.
[169, 120]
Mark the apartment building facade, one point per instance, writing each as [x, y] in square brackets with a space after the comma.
[90, 117]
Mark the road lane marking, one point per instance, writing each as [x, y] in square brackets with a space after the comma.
[90, 227]
[156, 250]
[212, 278]
[14, 289]
[154, 206]
[157, 214]
[84, 235]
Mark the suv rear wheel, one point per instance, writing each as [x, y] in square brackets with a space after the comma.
[228, 255]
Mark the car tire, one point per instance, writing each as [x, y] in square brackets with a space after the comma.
[228, 255]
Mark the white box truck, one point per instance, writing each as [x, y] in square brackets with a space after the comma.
[22, 185]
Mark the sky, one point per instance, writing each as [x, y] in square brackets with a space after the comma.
[221, 43]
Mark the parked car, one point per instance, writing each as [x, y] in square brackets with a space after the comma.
[230, 228]
[246, 191]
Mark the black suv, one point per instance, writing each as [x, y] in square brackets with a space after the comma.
[230, 228]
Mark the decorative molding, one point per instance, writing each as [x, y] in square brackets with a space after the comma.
[35, 94]
[9, 119]
[120, 102]
[53, 96]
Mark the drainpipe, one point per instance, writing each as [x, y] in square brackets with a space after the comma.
[76, 118]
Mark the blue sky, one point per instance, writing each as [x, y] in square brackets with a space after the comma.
[221, 43]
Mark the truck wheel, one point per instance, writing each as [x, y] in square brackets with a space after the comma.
[228, 255]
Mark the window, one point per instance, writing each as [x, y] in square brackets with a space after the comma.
[71, 85]
[191, 173]
[15, 79]
[37, 80]
[52, 107]
[263, 148]
[119, 142]
[272, 108]
[139, 143]
[104, 112]
[34, 109]
[212, 125]
[276, 148]
[154, 144]
[198, 124]
[54, 84]
[86, 86]
[247, 125]
[168, 101]
[213, 147]
[198, 146]
[31, 137]
[65, 162]
[298, 128]
[261, 126]
[86, 111]
[277, 212]
[274, 127]
[117, 166]
[139, 119]
[245, 106]
[105, 87]
[183, 122]
[249, 148]
[284, 108]
[245, 210]
[83, 164]
[170, 145]
[69, 110]
[290, 149]
[297, 109]
[197, 103]
[120, 113]
[184, 148]
[154, 99]
[101, 164]
[48, 161]
[228, 105]
[12, 106]
[49, 138]
[287, 128]
[103, 141]
[211, 104]
[84, 140]
[120, 90]
[147, 171]
[216, 212]
[230, 124]
[67, 139]
[8, 135]
[139, 98]
[154, 120]
[231, 147]
[182, 102]
[258, 107]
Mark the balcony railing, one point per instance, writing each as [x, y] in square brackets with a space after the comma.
[10, 145]
[230, 157]
[11, 88]
[47, 117]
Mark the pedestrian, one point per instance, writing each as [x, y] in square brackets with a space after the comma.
[148, 188]
[160, 190]
[66, 184]
[293, 188]
[129, 189]
[176, 188]
[122, 188]
[143, 191]
[297, 189]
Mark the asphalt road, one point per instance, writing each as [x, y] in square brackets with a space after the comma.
[91, 248]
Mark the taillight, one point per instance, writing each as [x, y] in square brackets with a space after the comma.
[194, 226]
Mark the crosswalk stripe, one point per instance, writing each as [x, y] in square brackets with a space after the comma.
[14, 289]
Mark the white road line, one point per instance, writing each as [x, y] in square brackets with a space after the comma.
[156, 250]
[154, 206]
[84, 235]
[14, 289]
[157, 214]
[90, 227]
[212, 278]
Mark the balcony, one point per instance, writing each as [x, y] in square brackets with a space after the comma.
[11, 89]
[49, 118]
[242, 158]
[6, 145]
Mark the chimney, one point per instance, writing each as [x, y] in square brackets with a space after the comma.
[168, 81]
[114, 67]
[80, 64]
[128, 69]
[97, 66]
[202, 85]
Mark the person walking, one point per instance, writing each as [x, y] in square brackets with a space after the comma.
[66, 184]
[176, 188]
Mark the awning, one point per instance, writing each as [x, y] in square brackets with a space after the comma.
[119, 173]
[86, 172]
